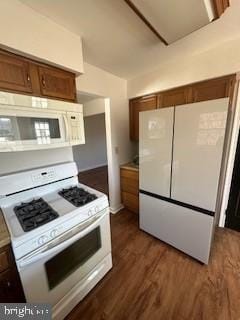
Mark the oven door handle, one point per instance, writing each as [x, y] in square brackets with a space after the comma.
[65, 239]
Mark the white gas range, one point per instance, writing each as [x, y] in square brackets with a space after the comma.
[60, 234]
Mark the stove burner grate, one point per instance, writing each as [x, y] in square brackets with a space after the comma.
[77, 196]
[34, 214]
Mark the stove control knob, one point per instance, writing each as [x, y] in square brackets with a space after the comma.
[90, 213]
[42, 240]
[96, 209]
[54, 233]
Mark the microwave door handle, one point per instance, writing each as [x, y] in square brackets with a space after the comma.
[81, 230]
[66, 126]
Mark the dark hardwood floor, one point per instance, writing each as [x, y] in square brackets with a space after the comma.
[152, 281]
[95, 178]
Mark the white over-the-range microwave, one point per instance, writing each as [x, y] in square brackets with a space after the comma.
[32, 123]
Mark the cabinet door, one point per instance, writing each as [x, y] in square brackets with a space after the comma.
[57, 83]
[173, 97]
[130, 201]
[136, 106]
[129, 181]
[155, 150]
[212, 89]
[11, 287]
[14, 73]
[220, 6]
[199, 133]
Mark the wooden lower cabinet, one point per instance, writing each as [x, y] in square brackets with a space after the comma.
[10, 284]
[130, 188]
[130, 201]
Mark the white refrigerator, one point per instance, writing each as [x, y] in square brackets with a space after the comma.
[180, 155]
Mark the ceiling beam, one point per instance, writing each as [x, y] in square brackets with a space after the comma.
[141, 16]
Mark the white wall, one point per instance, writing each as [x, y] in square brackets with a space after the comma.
[22, 160]
[93, 153]
[25, 31]
[102, 83]
[221, 60]
[92, 107]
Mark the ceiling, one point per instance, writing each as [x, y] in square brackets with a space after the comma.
[116, 40]
[174, 19]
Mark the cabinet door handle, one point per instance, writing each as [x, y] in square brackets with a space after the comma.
[28, 77]
[8, 284]
[43, 82]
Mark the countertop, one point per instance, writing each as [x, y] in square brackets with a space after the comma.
[130, 166]
[4, 234]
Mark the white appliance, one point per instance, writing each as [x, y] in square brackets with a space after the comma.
[60, 261]
[31, 123]
[180, 160]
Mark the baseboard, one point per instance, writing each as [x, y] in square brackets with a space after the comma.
[93, 167]
[116, 209]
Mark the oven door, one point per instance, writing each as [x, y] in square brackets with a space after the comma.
[28, 130]
[48, 274]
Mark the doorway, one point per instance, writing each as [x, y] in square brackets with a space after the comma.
[233, 208]
[92, 157]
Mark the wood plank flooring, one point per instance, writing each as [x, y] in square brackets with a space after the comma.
[95, 178]
[152, 281]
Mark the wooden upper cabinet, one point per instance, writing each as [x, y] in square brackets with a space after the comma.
[174, 97]
[220, 6]
[14, 74]
[202, 91]
[213, 89]
[137, 105]
[21, 75]
[57, 83]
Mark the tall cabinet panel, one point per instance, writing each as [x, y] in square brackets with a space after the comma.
[197, 152]
[155, 150]
[135, 107]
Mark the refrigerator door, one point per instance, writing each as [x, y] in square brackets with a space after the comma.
[155, 150]
[185, 229]
[197, 152]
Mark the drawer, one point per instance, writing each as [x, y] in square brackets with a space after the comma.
[4, 261]
[130, 185]
[130, 201]
[130, 174]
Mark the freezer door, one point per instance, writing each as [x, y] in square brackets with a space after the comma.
[197, 152]
[185, 229]
[155, 150]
